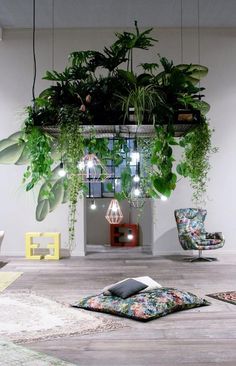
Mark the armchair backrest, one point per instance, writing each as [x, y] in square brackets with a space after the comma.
[190, 224]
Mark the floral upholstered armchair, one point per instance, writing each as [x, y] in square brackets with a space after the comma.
[192, 233]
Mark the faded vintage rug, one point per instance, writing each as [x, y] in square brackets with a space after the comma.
[12, 355]
[7, 278]
[229, 296]
[26, 317]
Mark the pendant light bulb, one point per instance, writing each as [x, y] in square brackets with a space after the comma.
[130, 235]
[81, 165]
[136, 178]
[164, 198]
[61, 172]
[137, 192]
[93, 205]
[135, 157]
[90, 164]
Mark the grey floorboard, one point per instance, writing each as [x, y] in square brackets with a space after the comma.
[199, 337]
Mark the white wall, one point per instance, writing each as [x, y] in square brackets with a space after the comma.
[218, 51]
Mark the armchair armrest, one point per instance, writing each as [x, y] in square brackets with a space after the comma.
[217, 235]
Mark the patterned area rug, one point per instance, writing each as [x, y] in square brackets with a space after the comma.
[7, 278]
[229, 296]
[12, 355]
[26, 317]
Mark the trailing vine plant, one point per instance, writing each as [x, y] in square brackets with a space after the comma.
[195, 162]
[72, 150]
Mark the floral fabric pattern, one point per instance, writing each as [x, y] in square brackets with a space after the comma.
[192, 233]
[145, 305]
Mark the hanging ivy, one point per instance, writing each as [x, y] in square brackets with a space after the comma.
[72, 150]
[196, 160]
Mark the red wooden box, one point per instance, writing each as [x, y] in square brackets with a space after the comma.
[119, 235]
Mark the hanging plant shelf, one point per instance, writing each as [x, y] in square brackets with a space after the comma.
[180, 125]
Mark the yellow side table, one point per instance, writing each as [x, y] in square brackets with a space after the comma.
[54, 248]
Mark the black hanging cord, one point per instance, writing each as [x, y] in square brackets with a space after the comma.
[199, 45]
[53, 36]
[198, 31]
[34, 56]
[181, 31]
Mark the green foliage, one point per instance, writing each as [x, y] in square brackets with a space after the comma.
[72, 146]
[163, 178]
[38, 147]
[196, 160]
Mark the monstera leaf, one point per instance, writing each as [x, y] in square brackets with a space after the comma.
[11, 154]
[42, 210]
[196, 72]
[13, 151]
[203, 106]
[57, 194]
[51, 195]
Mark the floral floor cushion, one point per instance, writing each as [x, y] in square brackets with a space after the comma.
[143, 306]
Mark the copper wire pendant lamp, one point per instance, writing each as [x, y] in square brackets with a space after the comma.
[114, 214]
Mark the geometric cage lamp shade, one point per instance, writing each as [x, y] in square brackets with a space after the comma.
[114, 214]
[92, 169]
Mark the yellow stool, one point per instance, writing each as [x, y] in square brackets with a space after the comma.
[54, 247]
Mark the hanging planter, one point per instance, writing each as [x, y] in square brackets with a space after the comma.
[82, 109]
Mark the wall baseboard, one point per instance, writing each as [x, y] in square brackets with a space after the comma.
[6, 253]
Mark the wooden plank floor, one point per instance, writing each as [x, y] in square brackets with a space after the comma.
[199, 337]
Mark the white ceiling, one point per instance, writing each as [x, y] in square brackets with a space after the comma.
[117, 13]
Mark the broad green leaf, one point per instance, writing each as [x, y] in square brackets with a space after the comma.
[203, 106]
[57, 194]
[24, 158]
[182, 169]
[41, 195]
[158, 185]
[196, 71]
[5, 143]
[158, 145]
[127, 75]
[66, 195]
[172, 141]
[109, 187]
[15, 136]
[182, 142]
[11, 154]
[154, 160]
[42, 210]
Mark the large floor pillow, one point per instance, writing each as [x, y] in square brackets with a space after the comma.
[143, 306]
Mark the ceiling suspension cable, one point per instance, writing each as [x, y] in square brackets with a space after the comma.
[199, 43]
[53, 34]
[181, 31]
[34, 55]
